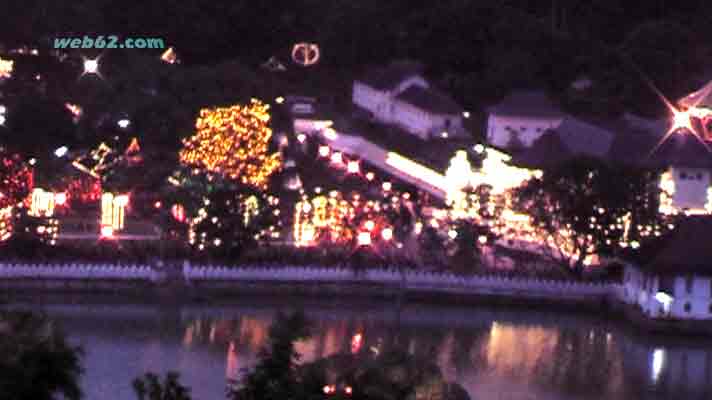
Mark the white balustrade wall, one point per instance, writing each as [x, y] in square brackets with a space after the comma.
[77, 272]
[411, 280]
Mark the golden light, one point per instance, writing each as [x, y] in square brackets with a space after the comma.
[356, 343]
[113, 210]
[234, 141]
[482, 239]
[364, 238]
[348, 390]
[330, 133]
[279, 100]
[42, 203]
[169, 56]
[6, 67]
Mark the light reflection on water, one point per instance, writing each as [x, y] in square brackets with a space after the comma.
[496, 354]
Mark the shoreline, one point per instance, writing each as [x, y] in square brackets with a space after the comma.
[220, 293]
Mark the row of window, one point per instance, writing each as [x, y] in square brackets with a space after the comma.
[667, 285]
[691, 177]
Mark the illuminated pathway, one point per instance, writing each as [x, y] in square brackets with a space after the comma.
[393, 163]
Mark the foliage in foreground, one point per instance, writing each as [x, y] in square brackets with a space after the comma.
[391, 374]
[36, 362]
[150, 387]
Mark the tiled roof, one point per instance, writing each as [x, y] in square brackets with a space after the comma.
[527, 104]
[548, 150]
[585, 138]
[387, 78]
[429, 100]
[686, 250]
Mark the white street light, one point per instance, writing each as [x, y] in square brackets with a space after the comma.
[91, 66]
[123, 123]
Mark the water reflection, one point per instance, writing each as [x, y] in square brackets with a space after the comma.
[494, 354]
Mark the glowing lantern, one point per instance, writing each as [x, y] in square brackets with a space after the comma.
[353, 167]
[387, 234]
[60, 198]
[482, 239]
[279, 100]
[337, 158]
[6, 67]
[387, 186]
[364, 238]
[301, 138]
[324, 151]
[452, 234]
[348, 390]
[370, 176]
[42, 203]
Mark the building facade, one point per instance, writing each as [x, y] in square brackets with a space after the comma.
[677, 283]
[400, 96]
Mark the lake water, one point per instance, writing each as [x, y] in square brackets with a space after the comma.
[495, 353]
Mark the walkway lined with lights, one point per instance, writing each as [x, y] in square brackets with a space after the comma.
[393, 163]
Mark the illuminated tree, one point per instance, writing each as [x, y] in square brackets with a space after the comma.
[233, 220]
[233, 142]
[475, 231]
[586, 208]
[15, 180]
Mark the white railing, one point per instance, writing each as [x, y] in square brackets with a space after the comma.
[76, 272]
[411, 280]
